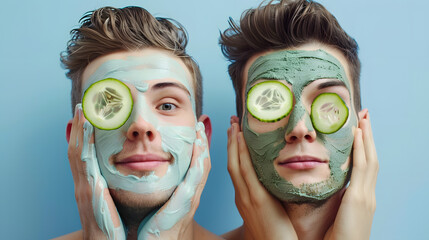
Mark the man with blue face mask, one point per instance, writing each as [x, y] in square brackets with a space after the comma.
[142, 178]
[300, 136]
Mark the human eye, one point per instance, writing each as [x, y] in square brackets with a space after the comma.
[166, 107]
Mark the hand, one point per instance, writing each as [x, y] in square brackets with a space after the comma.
[98, 214]
[356, 212]
[174, 219]
[263, 215]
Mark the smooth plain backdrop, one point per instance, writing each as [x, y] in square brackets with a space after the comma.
[37, 192]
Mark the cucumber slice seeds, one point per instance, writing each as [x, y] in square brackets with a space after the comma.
[107, 104]
[269, 101]
[328, 113]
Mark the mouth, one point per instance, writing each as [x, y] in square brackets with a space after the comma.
[143, 162]
[302, 162]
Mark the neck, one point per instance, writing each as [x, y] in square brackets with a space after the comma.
[311, 221]
[131, 218]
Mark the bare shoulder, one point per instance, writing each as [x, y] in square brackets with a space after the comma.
[236, 234]
[71, 236]
[202, 233]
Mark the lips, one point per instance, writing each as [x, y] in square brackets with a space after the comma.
[143, 162]
[301, 162]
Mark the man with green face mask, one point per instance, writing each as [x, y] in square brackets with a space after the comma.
[300, 136]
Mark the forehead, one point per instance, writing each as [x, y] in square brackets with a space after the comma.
[138, 68]
[337, 60]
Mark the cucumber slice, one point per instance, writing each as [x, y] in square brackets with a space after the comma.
[269, 101]
[107, 104]
[328, 113]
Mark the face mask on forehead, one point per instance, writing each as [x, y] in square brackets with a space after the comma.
[138, 71]
[298, 68]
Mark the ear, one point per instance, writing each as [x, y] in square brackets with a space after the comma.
[363, 114]
[208, 126]
[68, 130]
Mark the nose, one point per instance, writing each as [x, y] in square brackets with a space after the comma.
[300, 133]
[140, 129]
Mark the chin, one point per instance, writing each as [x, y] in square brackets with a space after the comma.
[301, 179]
[140, 201]
[303, 189]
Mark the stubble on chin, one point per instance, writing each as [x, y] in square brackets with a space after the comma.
[134, 207]
[140, 201]
[309, 203]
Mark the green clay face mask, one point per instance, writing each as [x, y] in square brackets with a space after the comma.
[298, 68]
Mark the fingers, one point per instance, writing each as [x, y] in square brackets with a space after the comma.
[263, 215]
[240, 185]
[234, 119]
[76, 145]
[112, 208]
[355, 215]
[72, 147]
[92, 195]
[370, 151]
[255, 187]
[365, 164]
[72, 142]
[188, 192]
[200, 155]
[359, 161]
[362, 113]
[88, 149]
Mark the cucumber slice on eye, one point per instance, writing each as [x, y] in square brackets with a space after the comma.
[328, 113]
[107, 104]
[269, 101]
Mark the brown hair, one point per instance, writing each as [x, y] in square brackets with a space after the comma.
[283, 25]
[107, 30]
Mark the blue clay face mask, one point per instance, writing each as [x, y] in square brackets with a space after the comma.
[142, 74]
[299, 69]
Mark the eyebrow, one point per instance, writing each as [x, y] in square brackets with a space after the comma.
[332, 83]
[162, 85]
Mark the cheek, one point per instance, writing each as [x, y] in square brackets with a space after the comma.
[262, 127]
[185, 117]
[339, 146]
[179, 142]
[109, 143]
[346, 164]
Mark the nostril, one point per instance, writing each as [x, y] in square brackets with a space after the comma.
[308, 137]
[149, 134]
[135, 134]
[293, 138]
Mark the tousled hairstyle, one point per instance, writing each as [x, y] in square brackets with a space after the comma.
[286, 24]
[108, 30]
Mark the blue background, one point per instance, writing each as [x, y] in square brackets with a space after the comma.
[37, 193]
